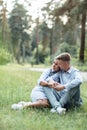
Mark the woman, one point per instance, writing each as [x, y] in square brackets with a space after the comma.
[38, 97]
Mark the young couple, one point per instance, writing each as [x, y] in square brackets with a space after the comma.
[58, 87]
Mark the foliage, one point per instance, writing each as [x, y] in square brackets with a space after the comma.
[85, 53]
[65, 47]
[16, 84]
[18, 22]
[25, 44]
[40, 42]
[5, 56]
[50, 32]
[75, 12]
[41, 55]
[32, 61]
[45, 34]
[47, 60]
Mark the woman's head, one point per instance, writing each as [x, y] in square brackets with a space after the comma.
[55, 65]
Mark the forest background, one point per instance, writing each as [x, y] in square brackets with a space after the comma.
[62, 28]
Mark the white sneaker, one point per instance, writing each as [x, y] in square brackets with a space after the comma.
[17, 106]
[24, 103]
[27, 104]
[53, 110]
[21, 102]
[61, 110]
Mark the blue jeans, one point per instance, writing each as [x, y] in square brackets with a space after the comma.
[57, 99]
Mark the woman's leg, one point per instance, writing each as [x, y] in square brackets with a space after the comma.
[38, 103]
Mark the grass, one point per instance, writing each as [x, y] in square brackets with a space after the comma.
[16, 83]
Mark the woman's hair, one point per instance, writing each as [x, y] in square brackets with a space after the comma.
[64, 56]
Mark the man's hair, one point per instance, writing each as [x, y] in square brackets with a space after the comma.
[64, 56]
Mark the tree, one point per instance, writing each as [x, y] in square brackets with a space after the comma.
[45, 32]
[55, 26]
[3, 19]
[17, 23]
[25, 45]
[40, 41]
[4, 22]
[73, 9]
[83, 24]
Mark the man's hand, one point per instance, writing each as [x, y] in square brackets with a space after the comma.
[59, 87]
[52, 83]
[55, 85]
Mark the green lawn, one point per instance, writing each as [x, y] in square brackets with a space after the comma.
[16, 83]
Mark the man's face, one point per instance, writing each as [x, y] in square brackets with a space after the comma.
[55, 65]
[62, 65]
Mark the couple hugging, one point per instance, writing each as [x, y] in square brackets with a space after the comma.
[58, 87]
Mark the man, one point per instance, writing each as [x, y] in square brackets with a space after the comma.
[38, 97]
[67, 92]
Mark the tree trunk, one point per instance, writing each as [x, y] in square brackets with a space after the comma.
[16, 50]
[23, 52]
[82, 47]
[51, 42]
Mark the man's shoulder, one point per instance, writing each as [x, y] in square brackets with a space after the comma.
[73, 69]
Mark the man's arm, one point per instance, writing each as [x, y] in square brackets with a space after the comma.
[76, 81]
[51, 83]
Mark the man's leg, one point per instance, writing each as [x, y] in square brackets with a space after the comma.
[70, 97]
[51, 96]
